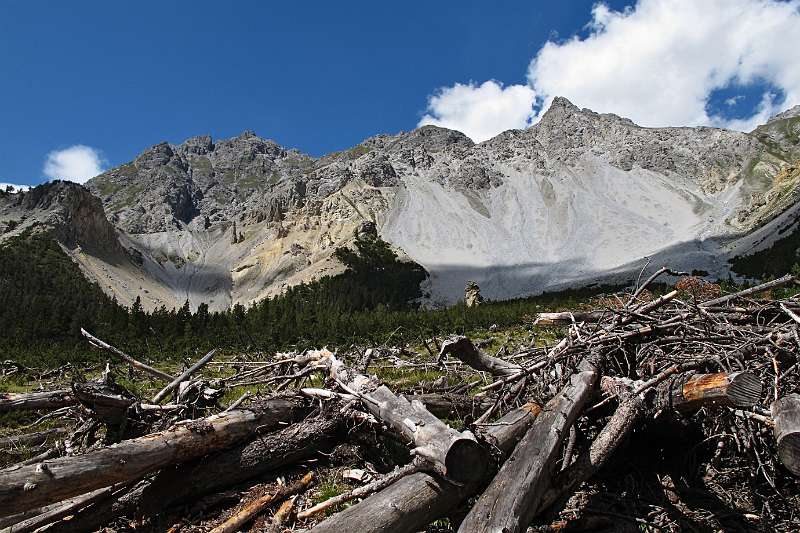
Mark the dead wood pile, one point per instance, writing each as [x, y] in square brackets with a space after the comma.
[694, 401]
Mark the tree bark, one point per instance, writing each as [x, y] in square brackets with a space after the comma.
[458, 454]
[786, 415]
[216, 472]
[510, 502]
[11, 401]
[413, 502]
[31, 439]
[26, 487]
[462, 348]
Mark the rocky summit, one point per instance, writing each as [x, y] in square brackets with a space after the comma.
[578, 198]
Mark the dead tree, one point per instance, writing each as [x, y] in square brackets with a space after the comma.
[462, 348]
[30, 486]
[11, 401]
[510, 502]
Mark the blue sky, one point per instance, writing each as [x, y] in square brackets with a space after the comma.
[117, 77]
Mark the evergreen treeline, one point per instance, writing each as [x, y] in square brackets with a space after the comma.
[45, 300]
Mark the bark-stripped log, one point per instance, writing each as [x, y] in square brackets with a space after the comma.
[183, 377]
[26, 487]
[565, 318]
[253, 508]
[510, 502]
[788, 278]
[447, 405]
[458, 454]
[216, 472]
[462, 348]
[689, 392]
[413, 502]
[786, 415]
[127, 358]
[11, 401]
[56, 512]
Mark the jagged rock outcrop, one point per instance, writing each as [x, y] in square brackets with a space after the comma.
[580, 197]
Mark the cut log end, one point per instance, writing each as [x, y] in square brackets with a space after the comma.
[466, 461]
[786, 415]
[744, 389]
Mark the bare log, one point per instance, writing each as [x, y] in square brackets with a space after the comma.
[462, 348]
[127, 358]
[31, 439]
[216, 472]
[689, 392]
[448, 405]
[280, 517]
[58, 511]
[26, 487]
[511, 500]
[414, 501]
[788, 278]
[183, 377]
[253, 508]
[11, 401]
[786, 416]
[565, 318]
[457, 453]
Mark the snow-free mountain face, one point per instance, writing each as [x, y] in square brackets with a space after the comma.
[578, 198]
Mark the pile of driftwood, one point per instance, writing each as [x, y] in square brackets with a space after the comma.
[550, 436]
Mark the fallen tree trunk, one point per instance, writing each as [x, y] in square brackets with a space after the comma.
[11, 401]
[413, 502]
[462, 348]
[31, 439]
[689, 392]
[511, 500]
[565, 318]
[448, 405]
[227, 468]
[26, 487]
[59, 511]
[786, 415]
[127, 358]
[183, 377]
[788, 278]
[458, 454]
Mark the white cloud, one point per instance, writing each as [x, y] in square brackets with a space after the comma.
[14, 188]
[656, 63]
[77, 163]
[481, 111]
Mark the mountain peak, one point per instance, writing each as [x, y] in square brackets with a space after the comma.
[788, 113]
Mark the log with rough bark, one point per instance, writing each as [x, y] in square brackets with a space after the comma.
[786, 416]
[11, 401]
[457, 453]
[216, 472]
[462, 348]
[31, 439]
[414, 501]
[58, 511]
[253, 508]
[26, 487]
[689, 392]
[512, 498]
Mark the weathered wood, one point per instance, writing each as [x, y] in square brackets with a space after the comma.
[127, 358]
[13, 401]
[365, 490]
[30, 439]
[689, 392]
[58, 511]
[253, 508]
[785, 280]
[510, 502]
[414, 501]
[183, 377]
[457, 453]
[616, 430]
[462, 348]
[216, 472]
[786, 416]
[26, 487]
[565, 318]
[280, 517]
[448, 405]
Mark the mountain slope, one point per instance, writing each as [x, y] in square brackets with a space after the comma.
[578, 198]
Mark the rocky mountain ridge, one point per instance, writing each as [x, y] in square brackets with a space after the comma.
[577, 198]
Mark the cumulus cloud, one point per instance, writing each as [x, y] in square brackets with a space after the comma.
[77, 163]
[481, 111]
[658, 63]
